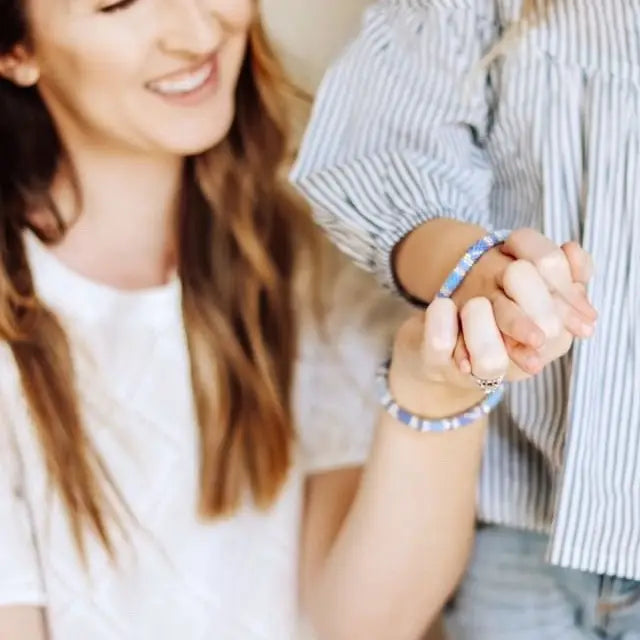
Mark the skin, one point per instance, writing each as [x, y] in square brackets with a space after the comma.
[383, 547]
[536, 288]
[92, 69]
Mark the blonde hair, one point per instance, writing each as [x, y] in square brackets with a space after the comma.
[532, 13]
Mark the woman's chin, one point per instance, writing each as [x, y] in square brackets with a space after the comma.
[196, 136]
[193, 146]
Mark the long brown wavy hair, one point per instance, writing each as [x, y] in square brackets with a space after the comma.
[240, 238]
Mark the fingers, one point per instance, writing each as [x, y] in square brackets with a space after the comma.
[473, 333]
[553, 264]
[549, 259]
[440, 333]
[529, 323]
[461, 357]
[517, 329]
[528, 361]
[514, 322]
[523, 283]
[572, 322]
[484, 342]
[525, 314]
[580, 262]
[528, 293]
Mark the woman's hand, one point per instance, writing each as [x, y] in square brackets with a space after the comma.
[386, 570]
[424, 378]
[537, 292]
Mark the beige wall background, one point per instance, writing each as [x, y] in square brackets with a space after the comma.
[309, 33]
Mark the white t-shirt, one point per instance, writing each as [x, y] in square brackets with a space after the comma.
[178, 577]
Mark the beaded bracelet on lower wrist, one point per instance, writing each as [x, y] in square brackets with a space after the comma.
[418, 423]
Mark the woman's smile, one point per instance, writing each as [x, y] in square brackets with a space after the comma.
[190, 85]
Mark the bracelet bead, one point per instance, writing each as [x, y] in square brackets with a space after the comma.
[493, 395]
[417, 423]
[471, 256]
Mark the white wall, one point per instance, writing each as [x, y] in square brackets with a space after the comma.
[309, 33]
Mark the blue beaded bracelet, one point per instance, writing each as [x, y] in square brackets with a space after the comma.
[489, 402]
[473, 254]
[492, 398]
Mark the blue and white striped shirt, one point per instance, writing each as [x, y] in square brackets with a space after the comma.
[408, 127]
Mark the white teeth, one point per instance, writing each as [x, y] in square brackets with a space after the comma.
[185, 84]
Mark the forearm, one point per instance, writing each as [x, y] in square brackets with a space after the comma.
[22, 623]
[424, 259]
[374, 175]
[404, 545]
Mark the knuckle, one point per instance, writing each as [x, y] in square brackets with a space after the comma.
[518, 325]
[551, 325]
[558, 347]
[552, 264]
[580, 260]
[575, 249]
[522, 235]
[476, 306]
[517, 273]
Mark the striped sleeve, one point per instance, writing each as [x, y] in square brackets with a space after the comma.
[396, 133]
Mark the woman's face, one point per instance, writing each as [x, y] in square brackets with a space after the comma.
[155, 76]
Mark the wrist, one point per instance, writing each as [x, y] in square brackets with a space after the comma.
[426, 256]
[431, 400]
[483, 280]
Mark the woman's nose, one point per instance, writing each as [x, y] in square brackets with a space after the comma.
[191, 28]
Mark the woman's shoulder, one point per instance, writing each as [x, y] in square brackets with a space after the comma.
[344, 307]
[339, 354]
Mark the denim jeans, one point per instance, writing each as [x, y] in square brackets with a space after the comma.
[510, 593]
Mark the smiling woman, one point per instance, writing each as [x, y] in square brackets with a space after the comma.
[116, 69]
[185, 385]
